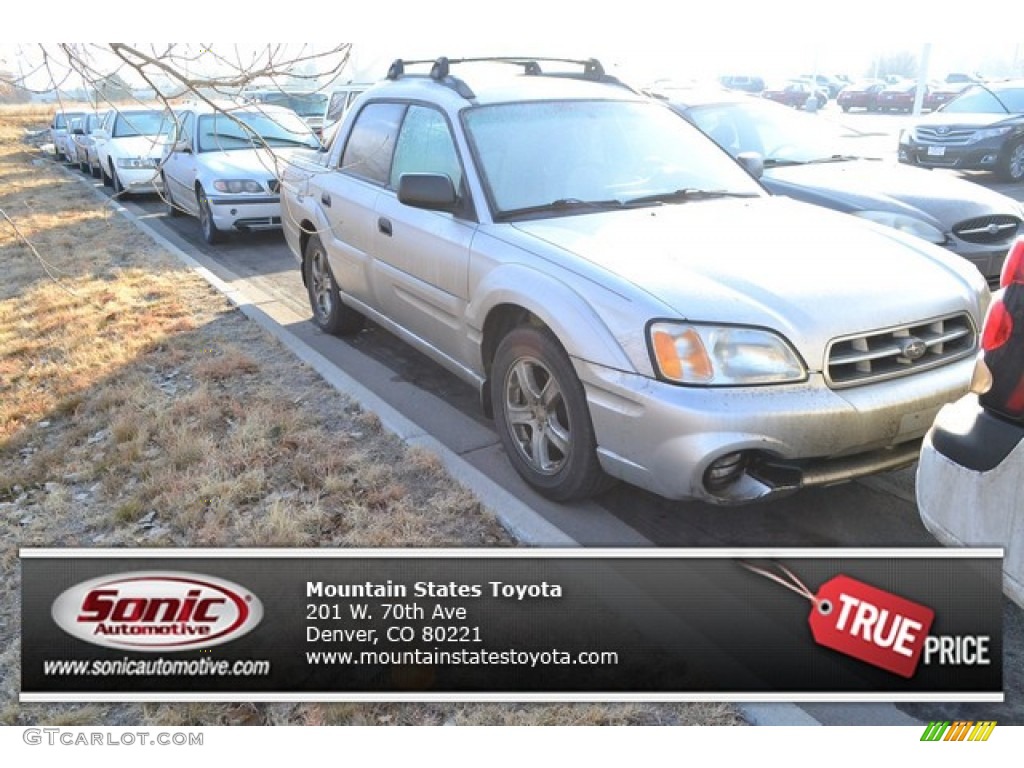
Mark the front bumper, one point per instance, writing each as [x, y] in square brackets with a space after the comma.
[139, 180]
[969, 477]
[246, 213]
[670, 439]
[978, 156]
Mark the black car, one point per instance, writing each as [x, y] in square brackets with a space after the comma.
[982, 129]
[818, 161]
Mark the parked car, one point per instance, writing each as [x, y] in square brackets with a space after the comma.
[309, 105]
[629, 301]
[59, 131]
[129, 147]
[795, 93]
[860, 95]
[982, 129]
[222, 165]
[971, 468]
[898, 97]
[82, 140]
[824, 163]
[831, 85]
[745, 83]
[941, 93]
[341, 99]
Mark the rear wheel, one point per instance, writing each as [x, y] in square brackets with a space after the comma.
[543, 420]
[329, 312]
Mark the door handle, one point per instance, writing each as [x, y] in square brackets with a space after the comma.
[384, 225]
[325, 198]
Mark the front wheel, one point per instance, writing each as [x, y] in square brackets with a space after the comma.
[115, 180]
[541, 413]
[1011, 167]
[211, 234]
[329, 313]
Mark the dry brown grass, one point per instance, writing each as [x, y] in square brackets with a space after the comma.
[137, 408]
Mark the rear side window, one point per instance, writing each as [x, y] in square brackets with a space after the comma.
[371, 145]
[426, 146]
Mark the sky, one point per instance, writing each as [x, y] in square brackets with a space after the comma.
[640, 40]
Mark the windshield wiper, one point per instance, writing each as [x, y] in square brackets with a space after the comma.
[289, 142]
[834, 159]
[562, 204]
[685, 195]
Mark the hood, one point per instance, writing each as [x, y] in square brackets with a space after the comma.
[140, 146]
[967, 119]
[251, 163]
[868, 185]
[806, 272]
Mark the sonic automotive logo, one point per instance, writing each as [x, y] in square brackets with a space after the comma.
[157, 611]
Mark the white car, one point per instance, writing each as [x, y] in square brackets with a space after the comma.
[129, 147]
[81, 142]
[971, 467]
[222, 166]
[59, 131]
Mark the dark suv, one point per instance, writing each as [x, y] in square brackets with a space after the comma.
[982, 129]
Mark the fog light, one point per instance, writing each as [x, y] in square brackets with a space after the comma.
[724, 471]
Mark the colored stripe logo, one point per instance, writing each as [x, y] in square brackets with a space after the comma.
[960, 730]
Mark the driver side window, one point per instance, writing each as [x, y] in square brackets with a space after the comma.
[425, 145]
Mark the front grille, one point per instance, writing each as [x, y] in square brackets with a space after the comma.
[274, 185]
[987, 229]
[949, 137]
[899, 351]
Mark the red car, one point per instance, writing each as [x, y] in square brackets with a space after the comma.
[794, 93]
[862, 95]
[941, 93]
[898, 98]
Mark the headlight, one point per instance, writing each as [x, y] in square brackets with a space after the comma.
[234, 186]
[137, 162]
[990, 133]
[904, 223]
[715, 355]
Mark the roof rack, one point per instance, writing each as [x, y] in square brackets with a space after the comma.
[440, 69]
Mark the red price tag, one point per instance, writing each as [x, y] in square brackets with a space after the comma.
[864, 622]
[870, 624]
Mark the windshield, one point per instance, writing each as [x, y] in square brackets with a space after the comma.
[138, 124]
[780, 135]
[572, 156]
[220, 132]
[985, 99]
[304, 104]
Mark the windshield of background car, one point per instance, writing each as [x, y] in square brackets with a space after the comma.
[981, 99]
[779, 135]
[219, 132]
[138, 124]
[536, 154]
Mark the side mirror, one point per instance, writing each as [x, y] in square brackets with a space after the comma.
[183, 145]
[752, 162]
[78, 132]
[431, 191]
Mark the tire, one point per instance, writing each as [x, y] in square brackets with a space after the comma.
[329, 312]
[846, 108]
[1011, 164]
[83, 166]
[115, 181]
[107, 181]
[172, 209]
[540, 410]
[207, 226]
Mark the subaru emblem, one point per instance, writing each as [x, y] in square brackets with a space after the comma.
[913, 348]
